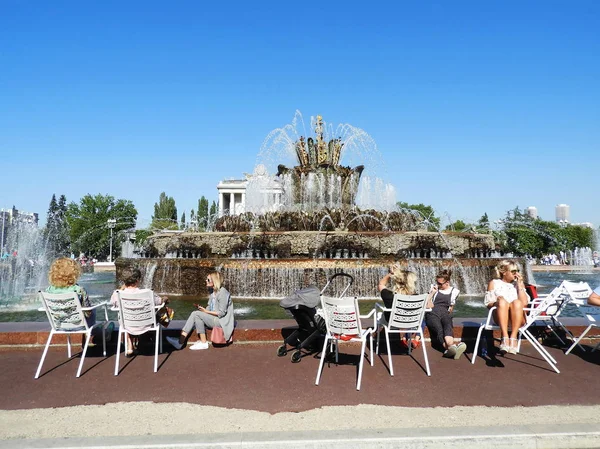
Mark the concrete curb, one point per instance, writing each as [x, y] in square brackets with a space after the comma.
[535, 437]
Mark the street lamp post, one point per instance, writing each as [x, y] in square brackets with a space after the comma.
[111, 225]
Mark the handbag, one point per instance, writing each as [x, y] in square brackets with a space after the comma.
[164, 315]
[217, 336]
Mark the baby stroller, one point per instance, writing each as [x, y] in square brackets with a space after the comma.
[302, 304]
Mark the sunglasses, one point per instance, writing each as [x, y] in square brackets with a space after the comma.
[441, 283]
[514, 271]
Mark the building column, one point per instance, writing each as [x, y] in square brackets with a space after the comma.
[231, 203]
[221, 204]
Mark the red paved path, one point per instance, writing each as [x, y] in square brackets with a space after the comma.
[252, 377]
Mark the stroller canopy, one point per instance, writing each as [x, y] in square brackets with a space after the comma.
[308, 297]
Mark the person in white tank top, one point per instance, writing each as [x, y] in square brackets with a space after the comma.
[507, 293]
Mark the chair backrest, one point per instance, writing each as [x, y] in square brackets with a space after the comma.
[577, 290]
[136, 309]
[549, 305]
[341, 315]
[64, 311]
[407, 312]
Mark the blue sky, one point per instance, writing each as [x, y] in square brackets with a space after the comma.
[475, 106]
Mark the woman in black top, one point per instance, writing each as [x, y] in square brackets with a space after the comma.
[442, 297]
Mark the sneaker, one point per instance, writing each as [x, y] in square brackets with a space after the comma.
[108, 331]
[174, 341]
[450, 352]
[460, 348]
[199, 345]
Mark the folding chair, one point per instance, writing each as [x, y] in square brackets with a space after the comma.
[531, 317]
[66, 316]
[137, 315]
[579, 293]
[406, 316]
[550, 316]
[342, 320]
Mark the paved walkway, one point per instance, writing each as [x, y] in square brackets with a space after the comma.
[249, 380]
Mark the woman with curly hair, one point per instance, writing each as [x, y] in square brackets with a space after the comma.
[63, 276]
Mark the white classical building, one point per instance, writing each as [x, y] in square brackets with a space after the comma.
[259, 192]
[232, 196]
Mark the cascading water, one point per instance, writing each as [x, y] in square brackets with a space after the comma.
[23, 265]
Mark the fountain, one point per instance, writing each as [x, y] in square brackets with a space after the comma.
[23, 263]
[304, 224]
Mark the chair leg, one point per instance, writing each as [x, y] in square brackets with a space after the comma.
[569, 333]
[377, 345]
[120, 332]
[555, 334]
[156, 344]
[477, 341]
[576, 342]
[360, 362]
[102, 328]
[160, 338]
[88, 336]
[37, 373]
[389, 350]
[323, 355]
[371, 347]
[69, 354]
[425, 353]
[541, 350]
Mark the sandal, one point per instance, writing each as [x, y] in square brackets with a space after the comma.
[512, 349]
[414, 343]
[504, 346]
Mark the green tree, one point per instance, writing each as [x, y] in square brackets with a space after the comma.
[56, 233]
[459, 226]
[182, 226]
[165, 213]
[426, 212]
[202, 213]
[88, 224]
[483, 223]
[213, 209]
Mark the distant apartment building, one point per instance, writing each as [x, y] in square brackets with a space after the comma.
[532, 212]
[10, 217]
[562, 213]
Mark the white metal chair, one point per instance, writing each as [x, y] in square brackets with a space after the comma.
[406, 316]
[137, 315]
[533, 313]
[579, 293]
[342, 319]
[66, 316]
[550, 316]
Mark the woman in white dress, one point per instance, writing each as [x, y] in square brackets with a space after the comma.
[507, 293]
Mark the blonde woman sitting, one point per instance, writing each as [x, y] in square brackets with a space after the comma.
[507, 293]
[403, 282]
